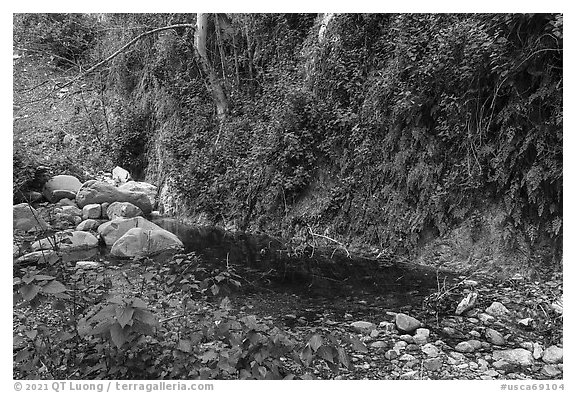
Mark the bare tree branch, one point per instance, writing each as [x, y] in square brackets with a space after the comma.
[123, 48]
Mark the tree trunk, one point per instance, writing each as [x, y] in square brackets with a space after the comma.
[215, 87]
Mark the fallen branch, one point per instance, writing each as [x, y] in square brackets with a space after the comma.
[332, 240]
[123, 48]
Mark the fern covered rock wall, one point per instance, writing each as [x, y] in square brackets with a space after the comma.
[384, 129]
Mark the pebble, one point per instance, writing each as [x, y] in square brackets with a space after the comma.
[449, 331]
[408, 338]
[432, 364]
[407, 358]
[553, 354]
[400, 345]
[409, 375]
[486, 318]
[497, 309]
[494, 337]
[407, 323]
[538, 351]
[362, 326]
[550, 370]
[391, 354]
[430, 350]
[465, 347]
[378, 344]
[474, 333]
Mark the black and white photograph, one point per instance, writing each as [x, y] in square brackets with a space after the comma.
[287, 196]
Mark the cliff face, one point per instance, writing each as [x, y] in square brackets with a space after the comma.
[388, 130]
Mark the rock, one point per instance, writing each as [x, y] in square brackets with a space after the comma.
[104, 207]
[88, 225]
[470, 283]
[388, 327]
[527, 345]
[145, 242]
[503, 365]
[409, 375]
[457, 357]
[430, 350]
[378, 344]
[423, 332]
[526, 322]
[474, 333]
[120, 175]
[391, 354]
[492, 373]
[497, 309]
[93, 210]
[28, 196]
[407, 338]
[407, 358]
[476, 344]
[420, 339]
[467, 303]
[517, 356]
[432, 364]
[26, 218]
[150, 190]
[67, 202]
[74, 240]
[553, 354]
[113, 230]
[39, 257]
[100, 192]
[122, 209]
[399, 345]
[464, 347]
[494, 337]
[558, 305]
[373, 333]
[61, 186]
[550, 370]
[538, 351]
[412, 348]
[449, 331]
[486, 318]
[407, 323]
[71, 211]
[87, 265]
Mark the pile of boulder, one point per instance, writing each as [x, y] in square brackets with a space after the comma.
[82, 216]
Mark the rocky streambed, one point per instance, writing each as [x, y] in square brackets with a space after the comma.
[402, 321]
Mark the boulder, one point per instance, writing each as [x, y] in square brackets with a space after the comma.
[145, 242]
[61, 186]
[120, 175]
[497, 309]
[67, 202]
[467, 303]
[93, 210]
[123, 209]
[67, 240]
[150, 190]
[363, 326]
[71, 211]
[39, 257]
[113, 230]
[517, 356]
[431, 350]
[494, 337]
[89, 225]
[26, 218]
[553, 354]
[406, 323]
[100, 192]
[432, 364]
[465, 347]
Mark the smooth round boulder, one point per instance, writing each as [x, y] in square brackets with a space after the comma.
[113, 230]
[120, 175]
[145, 242]
[61, 186]
[67, 240]
[100, 192]
[150, 190]
[93, 210]
[123, 209]
[406, 323]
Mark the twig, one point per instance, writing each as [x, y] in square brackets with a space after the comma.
[171, 318]
[329, 238]
[123, 48]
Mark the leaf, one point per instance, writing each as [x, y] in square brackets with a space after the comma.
[185, 346]
[208, 356]
[117, 335]
[139, 303]
[23, 355]
[315, 342]
[326, 353]
[215, 289]
[101, 327]
[343, 357]
[124, 315]
[146, 317]
[107, 312]
[306, 355]
[31, 334]
[116, 300]
[54, 287]
[29, 291]
[226, 304]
